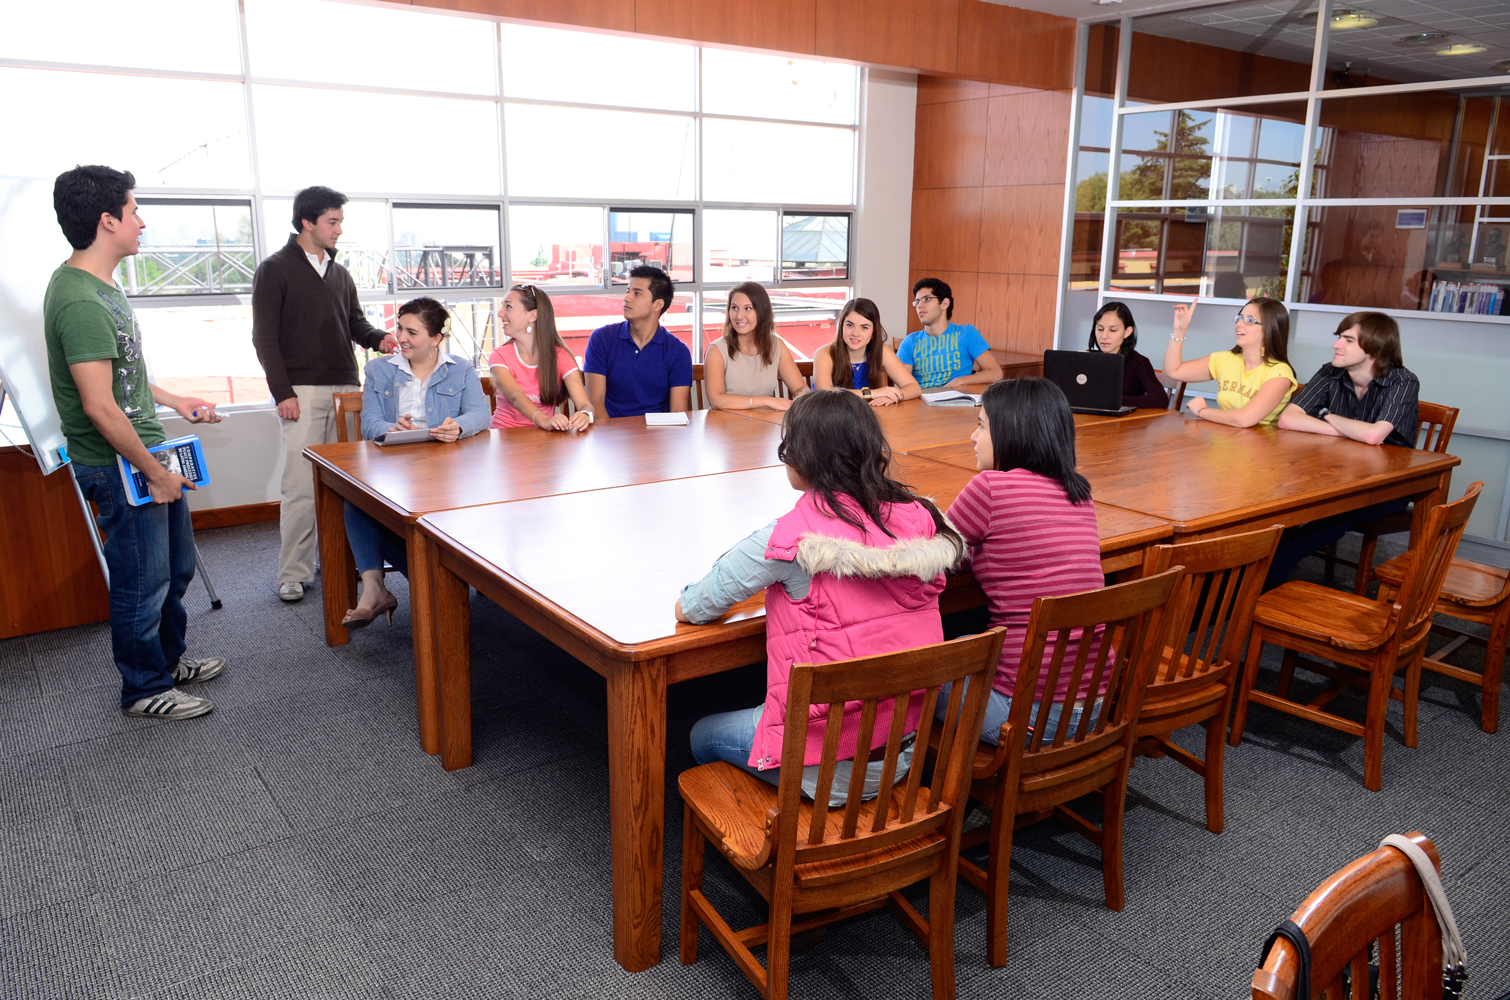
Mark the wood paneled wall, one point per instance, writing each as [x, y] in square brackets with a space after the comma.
[50, 577]
[968, 38]
[988, 203]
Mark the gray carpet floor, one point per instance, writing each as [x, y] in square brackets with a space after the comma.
[297, 842]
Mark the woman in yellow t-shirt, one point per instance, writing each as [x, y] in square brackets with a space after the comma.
[1254, 380]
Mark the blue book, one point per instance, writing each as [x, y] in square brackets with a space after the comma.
[182, 456]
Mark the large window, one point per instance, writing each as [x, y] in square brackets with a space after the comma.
[1380, 180]
[484, 153]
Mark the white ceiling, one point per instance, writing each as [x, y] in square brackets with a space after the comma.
[1277, 28]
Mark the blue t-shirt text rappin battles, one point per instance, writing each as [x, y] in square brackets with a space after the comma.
[937, 360]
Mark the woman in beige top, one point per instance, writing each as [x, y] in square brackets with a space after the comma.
[744, 366]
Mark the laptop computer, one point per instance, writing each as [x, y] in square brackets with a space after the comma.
[1091, 380]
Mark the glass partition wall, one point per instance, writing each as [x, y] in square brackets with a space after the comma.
[477, 153]
[1333, 157]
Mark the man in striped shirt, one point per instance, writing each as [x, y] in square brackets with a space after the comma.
[1365, 393]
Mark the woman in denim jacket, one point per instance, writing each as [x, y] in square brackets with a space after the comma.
[419, 386]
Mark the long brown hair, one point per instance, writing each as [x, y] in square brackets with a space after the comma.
[1276, 323]
[834, 441]
[1379, 336]
[765, 322]
[874, 351]
[552, 391]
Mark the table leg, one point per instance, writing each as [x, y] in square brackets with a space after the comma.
[1424, 503]
[338, 568]
[451, 664]
[422, 624]
[637, 807]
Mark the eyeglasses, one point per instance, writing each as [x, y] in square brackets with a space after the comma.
[921, 301]
[1247, 320]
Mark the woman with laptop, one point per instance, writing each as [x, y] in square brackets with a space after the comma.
[1114, 332]
[1254, 380]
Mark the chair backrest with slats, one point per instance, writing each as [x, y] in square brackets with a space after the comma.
[1212, 608]
[348, 403]
[1118, 633]
[1436, 426]
[1429, 560]
[1377, 899]
[805, 369]
[491, 391]
[699, 390]
[886, 685]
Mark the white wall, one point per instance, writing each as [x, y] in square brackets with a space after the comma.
[883, 232]
[244, 453]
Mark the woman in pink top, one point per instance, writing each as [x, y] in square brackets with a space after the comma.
[1028, 520]
[532, 385]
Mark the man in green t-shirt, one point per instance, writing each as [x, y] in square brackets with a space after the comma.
[109, 409]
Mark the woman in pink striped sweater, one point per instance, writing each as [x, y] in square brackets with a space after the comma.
[1028, 520]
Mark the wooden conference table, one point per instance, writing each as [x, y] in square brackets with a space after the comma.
[472, 514]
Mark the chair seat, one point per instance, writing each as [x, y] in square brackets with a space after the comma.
[732, 805]
[1346, 621]
[1471, 584]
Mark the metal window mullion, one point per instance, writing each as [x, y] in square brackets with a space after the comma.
[1114, 168]
[1298, 227]
[505, 251]
[1071, 176]
[259, 238]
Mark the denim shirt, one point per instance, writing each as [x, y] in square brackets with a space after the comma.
[455, 391]
[742, 572]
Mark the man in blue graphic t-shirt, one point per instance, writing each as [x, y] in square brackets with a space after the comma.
[944, 354]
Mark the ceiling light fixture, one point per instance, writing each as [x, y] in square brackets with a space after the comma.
[1423, 38]
[1463, 49]
[1343, 20]
[1349, 21]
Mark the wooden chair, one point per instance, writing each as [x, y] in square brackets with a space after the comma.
[815, 865]
[805, 369]
[350, 404]
[1176, 390]
[1035, 767]
[1373, 638]
[1214, 601]
[1471, 592]
[1436, 431]
[1359, 906]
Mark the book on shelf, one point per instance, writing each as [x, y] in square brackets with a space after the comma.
[1467, 297]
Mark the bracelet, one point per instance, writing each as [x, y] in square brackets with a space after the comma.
[1177, 340]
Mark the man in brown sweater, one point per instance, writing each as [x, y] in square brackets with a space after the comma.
[305, 318]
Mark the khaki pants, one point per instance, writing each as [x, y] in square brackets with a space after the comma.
[296, 517]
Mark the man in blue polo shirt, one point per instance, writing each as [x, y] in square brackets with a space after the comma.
[636, 367]
[945, 355]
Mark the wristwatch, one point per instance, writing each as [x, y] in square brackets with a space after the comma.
[1322, 413]
[865, 392]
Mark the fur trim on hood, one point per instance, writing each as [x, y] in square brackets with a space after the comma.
[924, 558]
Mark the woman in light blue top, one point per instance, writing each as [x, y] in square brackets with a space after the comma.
[418, 386]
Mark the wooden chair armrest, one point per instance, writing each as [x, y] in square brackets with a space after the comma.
[999, 757]
[759, 860]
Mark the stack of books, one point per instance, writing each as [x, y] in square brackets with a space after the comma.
[1474, 298]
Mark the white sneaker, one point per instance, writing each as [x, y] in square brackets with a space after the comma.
[191, 671]
[171, 704]
[290, 591]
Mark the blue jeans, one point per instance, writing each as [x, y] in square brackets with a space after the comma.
[371, 543]
[1303, 539]
[730, 736]
[150, 552]
[999, 710]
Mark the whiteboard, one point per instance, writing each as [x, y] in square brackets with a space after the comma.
[31, 248]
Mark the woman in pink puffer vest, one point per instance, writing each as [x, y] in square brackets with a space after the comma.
[855, 569]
